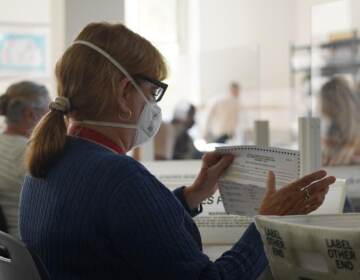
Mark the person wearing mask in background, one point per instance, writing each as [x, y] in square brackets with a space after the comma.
[340, 122]
[89, 211]
[22, 105]
[223, 118]
[183, 121]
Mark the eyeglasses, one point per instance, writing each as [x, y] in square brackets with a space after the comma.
[157, 88]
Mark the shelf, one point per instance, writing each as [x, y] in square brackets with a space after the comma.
[330, 69]
[330, 45]
[338, 57]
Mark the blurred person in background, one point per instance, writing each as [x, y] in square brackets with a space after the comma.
[164, 142]
[223, 117]
[339, 109]
[173, 140]
[22, 105]
[183, 121]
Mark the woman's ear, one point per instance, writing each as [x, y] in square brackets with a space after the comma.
[123, 100]
[128, 90]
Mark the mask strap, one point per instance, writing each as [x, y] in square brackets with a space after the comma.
[114, 62]
[108, 124]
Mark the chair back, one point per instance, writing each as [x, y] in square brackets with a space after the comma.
[16, 262]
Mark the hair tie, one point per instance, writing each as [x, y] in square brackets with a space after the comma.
[61, 104]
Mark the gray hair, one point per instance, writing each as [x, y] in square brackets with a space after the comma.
[22, 95]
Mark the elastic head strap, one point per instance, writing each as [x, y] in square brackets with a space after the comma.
[114, 62]
[108, 124]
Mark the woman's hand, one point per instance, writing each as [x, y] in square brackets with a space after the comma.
[300, 197]
[205, 184]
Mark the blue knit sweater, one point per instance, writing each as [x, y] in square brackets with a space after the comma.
[100, 215]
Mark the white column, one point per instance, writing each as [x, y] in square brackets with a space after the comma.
[57, 23]
[355, 19]
[309, 144]
[261, 133]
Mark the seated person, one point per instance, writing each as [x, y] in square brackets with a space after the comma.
[91, 212]
[164, 142]
[339, 122]
[22, 105]
[183, 121]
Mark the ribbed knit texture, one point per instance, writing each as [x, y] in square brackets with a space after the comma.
[100, 215]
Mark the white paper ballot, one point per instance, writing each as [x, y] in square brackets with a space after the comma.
[216, 227]
[321, 247]
[243, 185]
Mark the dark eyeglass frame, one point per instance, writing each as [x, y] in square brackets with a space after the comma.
[157, 83]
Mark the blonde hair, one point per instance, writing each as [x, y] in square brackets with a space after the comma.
[341, 106]
[90, 82]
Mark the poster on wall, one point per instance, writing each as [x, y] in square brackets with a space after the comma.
[24, 51]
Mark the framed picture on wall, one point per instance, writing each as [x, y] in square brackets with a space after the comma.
[24, 50]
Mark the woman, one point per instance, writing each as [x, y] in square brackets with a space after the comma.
[91, 212]
[340, 122]
[22, 105]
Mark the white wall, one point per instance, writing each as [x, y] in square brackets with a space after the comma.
[355, 14]
[303, 17]
[248, 41]
[19, 11]
[237, 23]
[79, 13]
[68, 17]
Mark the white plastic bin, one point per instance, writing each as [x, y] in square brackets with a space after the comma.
[312, 247]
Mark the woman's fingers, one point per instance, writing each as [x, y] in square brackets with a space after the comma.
[307, 180]
[321, 185]
[219, 168]
[300, 197]
[306, 204]
[303, 201]
[271, 183]
[210, 159]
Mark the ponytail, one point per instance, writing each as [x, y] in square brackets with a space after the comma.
[46, 144]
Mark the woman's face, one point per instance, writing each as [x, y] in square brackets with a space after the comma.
[137, 102]
[130, 107]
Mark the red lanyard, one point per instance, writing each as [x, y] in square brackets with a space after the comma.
[95, 137]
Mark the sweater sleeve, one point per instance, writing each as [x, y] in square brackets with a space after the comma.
[147, 228]
[179, 193]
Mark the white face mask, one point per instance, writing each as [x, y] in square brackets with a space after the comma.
[150, 118]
